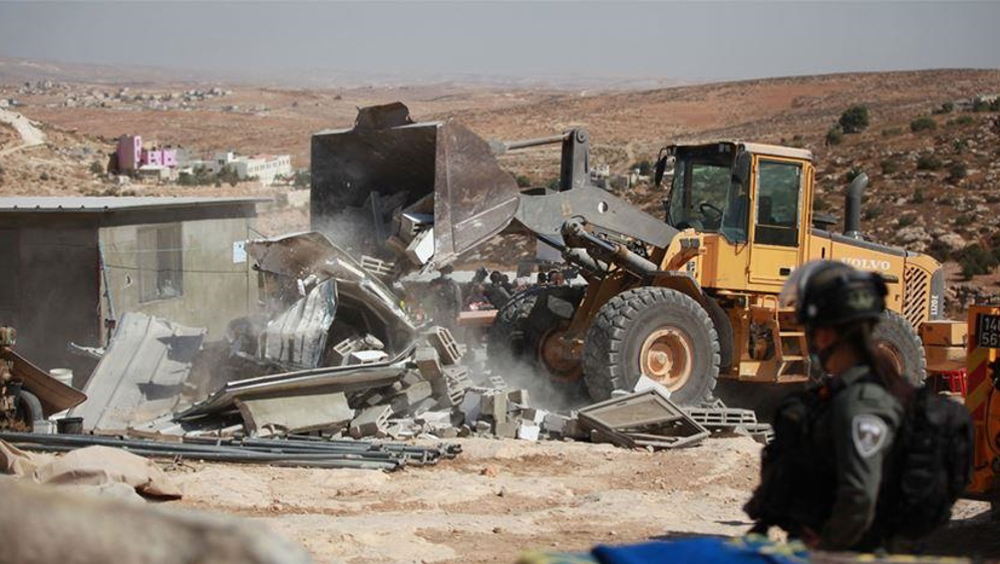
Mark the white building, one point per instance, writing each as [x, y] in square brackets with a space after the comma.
[264, 168]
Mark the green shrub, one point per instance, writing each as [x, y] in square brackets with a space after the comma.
[961, 121]
[852, 173]
[995, 105]
[980, 105]
[43, 176]
[553, 184]
[892, 132]
[522, 181]
[835, 136]
[854, 119]
[928, 161]
[975, 260]
[925, 123]
[918, 196]
[957, 171]
[964, 220]
[96, 168]
[992, 198]
[872, 212]
[945, 201]
[889, 166]
[906, 221]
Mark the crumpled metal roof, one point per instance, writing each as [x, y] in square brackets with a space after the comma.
[142, 373]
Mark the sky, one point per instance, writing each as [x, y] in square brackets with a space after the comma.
[673, 40]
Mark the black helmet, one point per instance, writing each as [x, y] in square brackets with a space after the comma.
[828, 293]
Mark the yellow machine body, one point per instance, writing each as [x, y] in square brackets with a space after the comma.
[983, 398]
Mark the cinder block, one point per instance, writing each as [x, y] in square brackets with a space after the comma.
[370, 421]
[483, 427]
[497, 381]
[555, 423]
[505, 429]
[536, 416]
[423, 406]
[519, 396]
[428, 362]
[528, 432]
[494, 406]
[410, 397]
[445, 344]
[411, 377]
[366, 357]
[470, 405]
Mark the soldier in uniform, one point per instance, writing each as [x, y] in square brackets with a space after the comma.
[446, 298]
[821, 476]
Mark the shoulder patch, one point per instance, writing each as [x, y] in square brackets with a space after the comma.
[869, 433]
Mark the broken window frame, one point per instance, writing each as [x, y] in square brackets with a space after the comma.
[161, 262]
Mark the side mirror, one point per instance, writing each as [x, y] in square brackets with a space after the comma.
[660, 170]
[741, 167]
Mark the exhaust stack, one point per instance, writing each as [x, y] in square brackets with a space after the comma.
[852, 206]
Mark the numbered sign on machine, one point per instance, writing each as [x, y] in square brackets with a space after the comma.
[988, 331]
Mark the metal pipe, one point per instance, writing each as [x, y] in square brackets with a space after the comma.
[852, 206]
[607, 251]
[535, 142]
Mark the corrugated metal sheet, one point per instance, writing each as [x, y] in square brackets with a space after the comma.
[297, 336]
[141, 375]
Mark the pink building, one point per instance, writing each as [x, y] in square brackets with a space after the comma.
[132, 156]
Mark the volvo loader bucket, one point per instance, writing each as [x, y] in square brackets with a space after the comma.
[391, 187]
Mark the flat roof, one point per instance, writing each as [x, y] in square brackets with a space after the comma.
[84, 204]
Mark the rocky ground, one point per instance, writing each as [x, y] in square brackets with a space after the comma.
[500, 498]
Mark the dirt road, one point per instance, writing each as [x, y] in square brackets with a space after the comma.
[30, 135]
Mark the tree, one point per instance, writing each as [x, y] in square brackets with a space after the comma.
[835, 136]
[96, 168]
[854, 119]
[523, 181]
[303, 178]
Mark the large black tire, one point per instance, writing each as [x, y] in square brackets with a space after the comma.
[895, 335]
[613, 345]
[522, 323]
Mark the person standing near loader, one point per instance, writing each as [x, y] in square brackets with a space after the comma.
[446, 298]
[822, 476]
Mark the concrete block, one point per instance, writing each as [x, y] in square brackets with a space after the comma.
[435, 417]
[423, 406]
[470, 405]
[428, 362]
[497, 381]
[370, 421]
[555, 423]
[494, 406]
[519, 396]
[445, 344]
[366, 357]
[528, 432]
[536, 416]
[410, 397]
[483, 427]
[506, 429]
[646, 383]
[411, 377]
[421, 248]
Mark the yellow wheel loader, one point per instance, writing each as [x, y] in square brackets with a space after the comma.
[684, 299]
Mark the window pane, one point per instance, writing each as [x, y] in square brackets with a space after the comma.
[778, 190]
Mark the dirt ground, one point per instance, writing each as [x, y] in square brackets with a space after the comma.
[501, 497]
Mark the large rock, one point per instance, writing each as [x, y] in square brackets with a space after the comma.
[953, 241]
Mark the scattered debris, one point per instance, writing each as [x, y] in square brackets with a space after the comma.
[642, 419]
[141, 374]
[293, 451]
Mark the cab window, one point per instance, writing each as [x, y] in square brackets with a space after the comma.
[779, 188]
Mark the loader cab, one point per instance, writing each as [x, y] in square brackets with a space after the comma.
[707, 193]
[753, 200]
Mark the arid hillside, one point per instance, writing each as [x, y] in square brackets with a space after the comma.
[933, 189]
